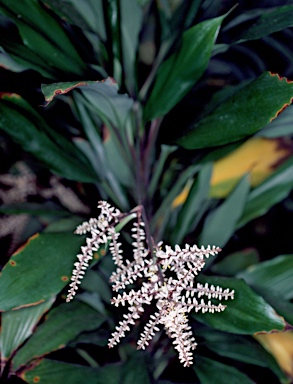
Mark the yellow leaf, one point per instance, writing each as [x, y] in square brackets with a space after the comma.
[258, 156]
[280, 345]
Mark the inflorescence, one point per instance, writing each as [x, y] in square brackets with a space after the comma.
[166, 277]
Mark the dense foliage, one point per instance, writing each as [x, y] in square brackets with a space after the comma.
[181, 108]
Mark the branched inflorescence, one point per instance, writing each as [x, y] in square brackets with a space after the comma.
[166, 277]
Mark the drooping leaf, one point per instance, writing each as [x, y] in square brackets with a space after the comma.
[51, 371]
[181, 71]
[247, 314]
[19, 120]
[211, 371]
[273, 275]
[244, 113]
[63, 324]
[274, 20]
[34, 24]
[220, 223]
[18, 325]
[38, 270]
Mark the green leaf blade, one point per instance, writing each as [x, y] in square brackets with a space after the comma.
[241, 115]
[181, 71]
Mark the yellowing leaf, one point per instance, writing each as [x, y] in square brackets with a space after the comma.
[258, 156]
[280, 345]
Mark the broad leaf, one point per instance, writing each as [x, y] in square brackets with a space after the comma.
[211, 371]
[63, 324]
[274, 276]
[38, 270]
[243, 349]
[236, 262]
[136, 368]
[244, 113]
[220, 223]
[247, 314]
[27, 128]
[18, 325]
[177, 75]
[51, 371]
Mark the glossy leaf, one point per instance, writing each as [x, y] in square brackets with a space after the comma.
[20, 121]
[273, 275]
[211, 371]
[247, 314]
[275, 20]
[51, 371]
[39, 270]
[63, 323]
[7, 62]
[18, 325]
[182, 70]
[220, 223]
[244, 113]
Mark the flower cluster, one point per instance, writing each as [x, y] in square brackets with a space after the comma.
[165, 276]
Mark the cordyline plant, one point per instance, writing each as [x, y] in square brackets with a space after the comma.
[175, 295]
[170, 107]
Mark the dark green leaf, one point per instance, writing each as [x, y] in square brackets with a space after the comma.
[271, 191]
[50, 91]
[274, 275]
[196, 197]
[50, 371]
[181, 71]
[35, 25]
[18, 325]
[243, 114]
[281, 126]
[220, 223]
[211, 371]
[247, 314]
[63, 324]
[243, 349]
[28, 129]
[236, 262]
[38, 270]
[136, 369]
[275, 20]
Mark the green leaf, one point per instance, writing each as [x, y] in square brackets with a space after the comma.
[281, 126]
[211, 371]
[136, 368]
[62, 325]
[270, 192]
[7, 62]
[50, 371]
[177, 75]
[50, 91]
[243, 349]
[275, 20]
[18, 325]
[35, 26]
[20, 121]
[130, 24]
[38, 270]
[247, 314]
[197, 195]
[244, 113]
[274, 276]
[236, 262]
[220, 223]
